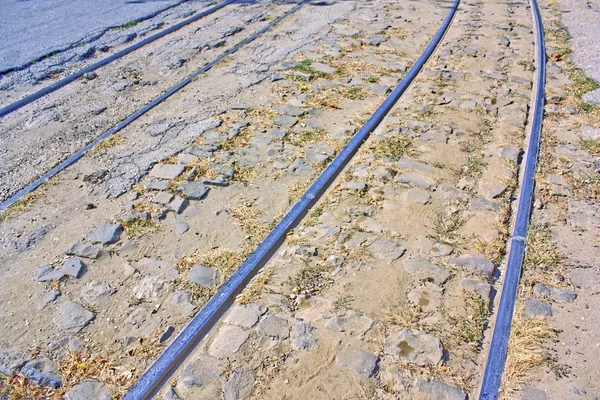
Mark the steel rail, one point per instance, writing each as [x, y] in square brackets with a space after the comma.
[494, 369]
[4, 111]
[167, 363]
[81, 152]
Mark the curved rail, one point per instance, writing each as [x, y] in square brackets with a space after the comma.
[81, 152]
[167, 363]
[492, 377]
[4, 111]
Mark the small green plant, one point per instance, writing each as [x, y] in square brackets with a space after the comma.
[395, 147]
[135, 227]
[475, 166]
[305, 67]
[470, 326]
[373, 79]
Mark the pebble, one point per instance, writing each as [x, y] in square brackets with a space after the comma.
[105, 233]
[531, 393]
[72, 318]
[358, 361]
[415, 346]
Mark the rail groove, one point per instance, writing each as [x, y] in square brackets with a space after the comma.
[492, 378]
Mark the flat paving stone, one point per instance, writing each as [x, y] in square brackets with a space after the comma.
[166, 171]
[48, 274]
[440, 390]
[415, 346]
[358, 361]
[163, 198]
[239, 385]
[423, 269]
[285, 121]
[73, 267]
[417, 196]
[245, 315]
[228, 340]
[83, 250]
[203, 276]
[105, 233]
[202, 371]
[323, 68]
[351, 323]
[385, 249]
[536, 308]
[11, 360]
[193, 190]
[274, 327]
[72, 318]
[481, 288]
[418, 180]
[87, 390]
[474, 264]
[43, 372]
[304, 336]
[94, 291]
[290, 110]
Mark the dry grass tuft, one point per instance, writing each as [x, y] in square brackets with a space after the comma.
[135, 227]
[111, 141]
[395, 147]
[255, 288]
[527, 350]
[18, 387]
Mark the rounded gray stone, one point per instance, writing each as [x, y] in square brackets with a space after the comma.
[358, 361]
[105, 233]
[87, 390]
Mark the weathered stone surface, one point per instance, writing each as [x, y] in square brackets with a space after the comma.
[417, 196]
[301, 167]
[72, 317]
[203, 372]
[48, 274]
[170, 394]
[557, 294]
[531, 393]
[440, 390]
[163, 198]
[228, 340]
[304, 336]
[239, 385]
[474, 264]
[358, 361]
[354, 185]
[159, 268]
[47, 298]
[43, 372]
[290, 110]
[73, 267]
[105, 233]
[323, 68]
[369, 224]
[178, 204]
[166, 171]
[415, 346]
[352, 323]
[158, 185]
[149, 287]
[83, 250]
[181, 227]
[89, 389]
[245, 315]
[203, 276]
[11, 360]
[377, 88]
[182, 298]
[414, 179]
[582, 216]
[193, 190]
[481, 288]
[536, 308]
[385, 249]
[285, 121]
[275, 327]
[166, 334]
[491, 188]
[95, 291]
[423, 269]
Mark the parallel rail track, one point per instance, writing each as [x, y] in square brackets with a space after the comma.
[10, 108]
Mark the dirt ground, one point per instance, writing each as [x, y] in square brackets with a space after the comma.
[385, 290]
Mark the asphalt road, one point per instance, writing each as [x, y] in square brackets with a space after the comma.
[30, 29]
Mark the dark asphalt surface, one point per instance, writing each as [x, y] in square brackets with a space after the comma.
[30, 29]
